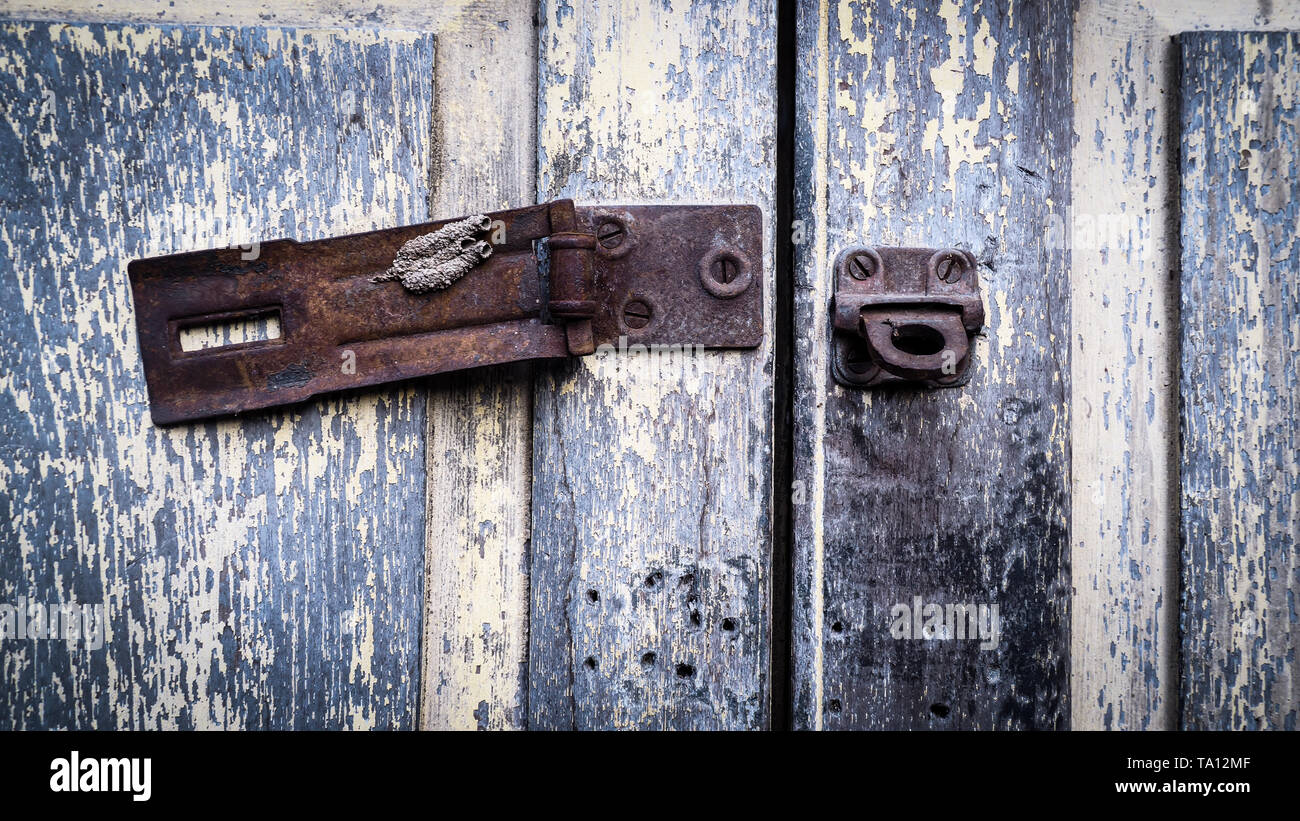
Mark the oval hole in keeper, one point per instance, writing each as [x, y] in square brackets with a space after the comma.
[917, 340]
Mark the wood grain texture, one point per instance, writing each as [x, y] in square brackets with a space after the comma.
[1123, 226]
[480, 423]
[255, 573]
[1240, 366]
[413, 15]
[940, 125]
[652, 476]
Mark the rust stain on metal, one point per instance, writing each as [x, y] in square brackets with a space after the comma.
[561, 281]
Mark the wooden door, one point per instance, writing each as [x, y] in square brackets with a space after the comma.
[581, 546]
[1046, 139]
[716, 540]
[255, 573]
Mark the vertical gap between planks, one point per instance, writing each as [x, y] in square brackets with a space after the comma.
[432, 165]
[1171, 679]
[783, 376]
[807, 468]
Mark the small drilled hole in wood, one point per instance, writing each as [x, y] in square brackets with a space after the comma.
[695, 618]
[837, 627]
[940, 710]
[834, 705]
[685, 670]
[593, 595]
[728, 624]
[648, 658]
[590, 662]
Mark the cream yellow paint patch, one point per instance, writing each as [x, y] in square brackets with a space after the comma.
[960, 135]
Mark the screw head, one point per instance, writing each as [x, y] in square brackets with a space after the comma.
[725, 272]
[857, 360]
[861, 266]
[724, 269]
[950, 265]
[636, 314]
[610, 233]
[858, 366]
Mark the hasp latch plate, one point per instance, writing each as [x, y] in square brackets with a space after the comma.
[905, 316]
[559, 281]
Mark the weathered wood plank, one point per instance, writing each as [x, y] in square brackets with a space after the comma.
[940, 125]
[480, 423]
[1240, 367]
[652, 476]
[412, 15]
[1124, 527]
[255, 573]
[1123, 226]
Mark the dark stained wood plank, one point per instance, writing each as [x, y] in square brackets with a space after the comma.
[257, 573]
[944, 124]
[652, 479]
[1240, 367]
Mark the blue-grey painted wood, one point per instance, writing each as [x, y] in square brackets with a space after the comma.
[256, 573]
[1240, 97]
[652, 484]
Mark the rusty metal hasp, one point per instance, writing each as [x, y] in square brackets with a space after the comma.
[905, 316]
[546, 281]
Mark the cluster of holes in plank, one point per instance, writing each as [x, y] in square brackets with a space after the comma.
[654, 579]
[938, 709]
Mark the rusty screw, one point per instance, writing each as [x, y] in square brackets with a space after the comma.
[950, 269]
[610, 233]
[861, 266]
[857, 360]
[723, 269]
[636, 314]
[858, 366]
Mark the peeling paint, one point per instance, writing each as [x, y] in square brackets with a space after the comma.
[1240, 347]
[655, 482]
[1124, 344]
[907, 136]
[256, 573]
